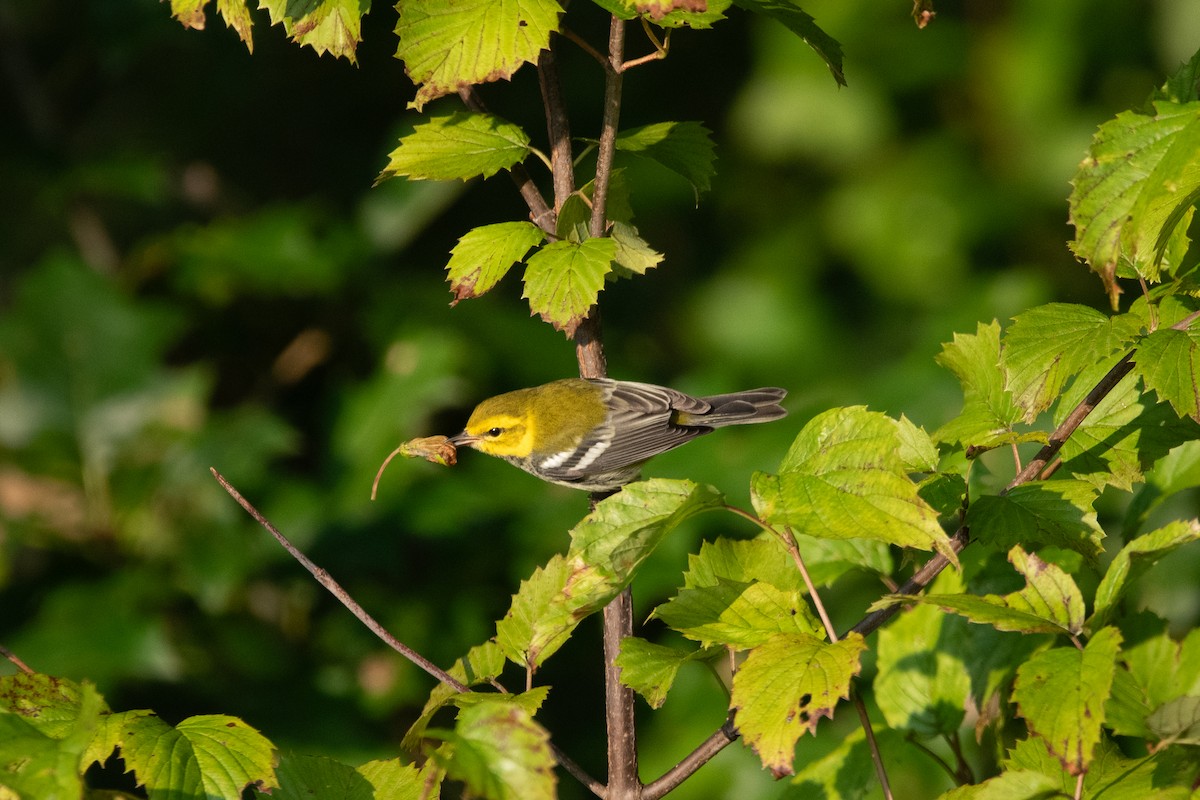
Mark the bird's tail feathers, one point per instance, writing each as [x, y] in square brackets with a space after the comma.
[739, 408]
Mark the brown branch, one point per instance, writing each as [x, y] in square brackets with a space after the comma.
[11, 656]
[558, 127]
[724, 735]
[608, 130]
[1068, 426]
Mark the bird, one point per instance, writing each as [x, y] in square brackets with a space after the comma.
[595, 434]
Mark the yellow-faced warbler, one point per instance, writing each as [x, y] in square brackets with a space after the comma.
[596, 434]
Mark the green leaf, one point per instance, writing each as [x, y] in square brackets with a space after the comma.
[499, 752]
[542, 614]
[607, 547]
[396, 781]
[46, 725]
[738, 614]
[785, 686]
[1132, 561]
[1169, 362]
[563, 280]
[989, 411]
[1055, 512]
[650, 669]
[212, 756]
[922, 687]
[303, 777]
[1049, 603]
[1182, 86]
[1112, 776]
[623, 530]
[1124, 435]
[237, 16]
[845, 476]
[1134, 192]
[829, 559]
[742, 560]
[685, 148]
[846, 773]
[485, 254]
[1176, 722]
[1008, 785]
[481, 664]
[445, 47]
[803, 26]
[1156, 669]
[634, 256]
[457, 147]
[327, 26]
[1061, 695]
[1048, 345]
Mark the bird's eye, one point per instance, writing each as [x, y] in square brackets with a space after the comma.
[494, 432]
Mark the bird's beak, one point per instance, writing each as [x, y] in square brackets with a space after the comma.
[463, 439]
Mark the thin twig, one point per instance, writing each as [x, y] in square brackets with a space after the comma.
[11, 656]
[1073, 420]
[335, 588]
[941, 762]
[326, 580]
[872, 744]
[723, 736]
[584, 45]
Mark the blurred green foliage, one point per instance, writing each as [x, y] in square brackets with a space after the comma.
[195, 273]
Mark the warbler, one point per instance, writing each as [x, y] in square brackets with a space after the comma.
[595, 434]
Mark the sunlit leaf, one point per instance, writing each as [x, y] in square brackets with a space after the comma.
[1133, 195]
[785, 686]
[1049, 603]
[1061, 694]
[212, 756]
[500, 752]
[846, 476]
[650, 669]
[333, 26]
[988, 408]
[457, 147]
[446, 47]
[738, 614]
[485, 254]
[563, 280]
[1048, 345]
[921, 686]
[1133, 560]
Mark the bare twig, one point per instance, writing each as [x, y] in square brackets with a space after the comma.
[558, 127]
[1068, 426]
[872, 744]
[677, 774]
[608, 131]
[11, 656]
[326, 580]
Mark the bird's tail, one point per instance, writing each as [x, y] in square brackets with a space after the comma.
[739, 408]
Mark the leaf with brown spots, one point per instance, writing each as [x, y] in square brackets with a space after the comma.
[1061, 694]
[785, 686]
